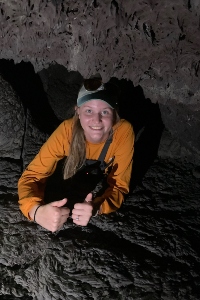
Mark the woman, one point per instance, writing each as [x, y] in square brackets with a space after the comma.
[80, 138]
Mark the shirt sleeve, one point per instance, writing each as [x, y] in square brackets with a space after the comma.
[31, 185]
[119, 177]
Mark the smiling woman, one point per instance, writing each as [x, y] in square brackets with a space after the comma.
[95, 134]
[96, 118]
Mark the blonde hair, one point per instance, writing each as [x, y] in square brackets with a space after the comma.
[77, 150]
[76, 157]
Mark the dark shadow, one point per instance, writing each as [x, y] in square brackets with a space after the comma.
[146, 119]
[28, 86]
[62, 89]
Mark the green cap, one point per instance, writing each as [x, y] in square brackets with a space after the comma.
[103, 93]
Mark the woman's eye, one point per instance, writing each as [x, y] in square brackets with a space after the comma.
[105, 113]
[88, 111]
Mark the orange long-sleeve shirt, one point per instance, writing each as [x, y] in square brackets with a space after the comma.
[31, 185]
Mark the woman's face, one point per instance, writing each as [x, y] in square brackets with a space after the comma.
[96, 118]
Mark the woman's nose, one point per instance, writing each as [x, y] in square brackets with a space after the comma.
[97, 117]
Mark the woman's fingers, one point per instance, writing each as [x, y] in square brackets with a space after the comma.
[88, 198]
[52, 216]
[82, 212]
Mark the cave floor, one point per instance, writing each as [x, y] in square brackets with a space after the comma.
[149, 249]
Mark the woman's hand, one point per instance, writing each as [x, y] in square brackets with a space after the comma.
[51, 216]
[82, 212]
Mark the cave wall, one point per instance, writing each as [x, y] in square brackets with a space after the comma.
[155, 44]
[149, 248]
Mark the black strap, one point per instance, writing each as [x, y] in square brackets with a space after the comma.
[105, 149]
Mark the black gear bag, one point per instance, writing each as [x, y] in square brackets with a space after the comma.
[90, 178]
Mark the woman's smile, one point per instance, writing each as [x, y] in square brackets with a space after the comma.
[96, 127]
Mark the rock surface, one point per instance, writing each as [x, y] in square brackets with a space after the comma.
[11, 122]
[149, 249]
